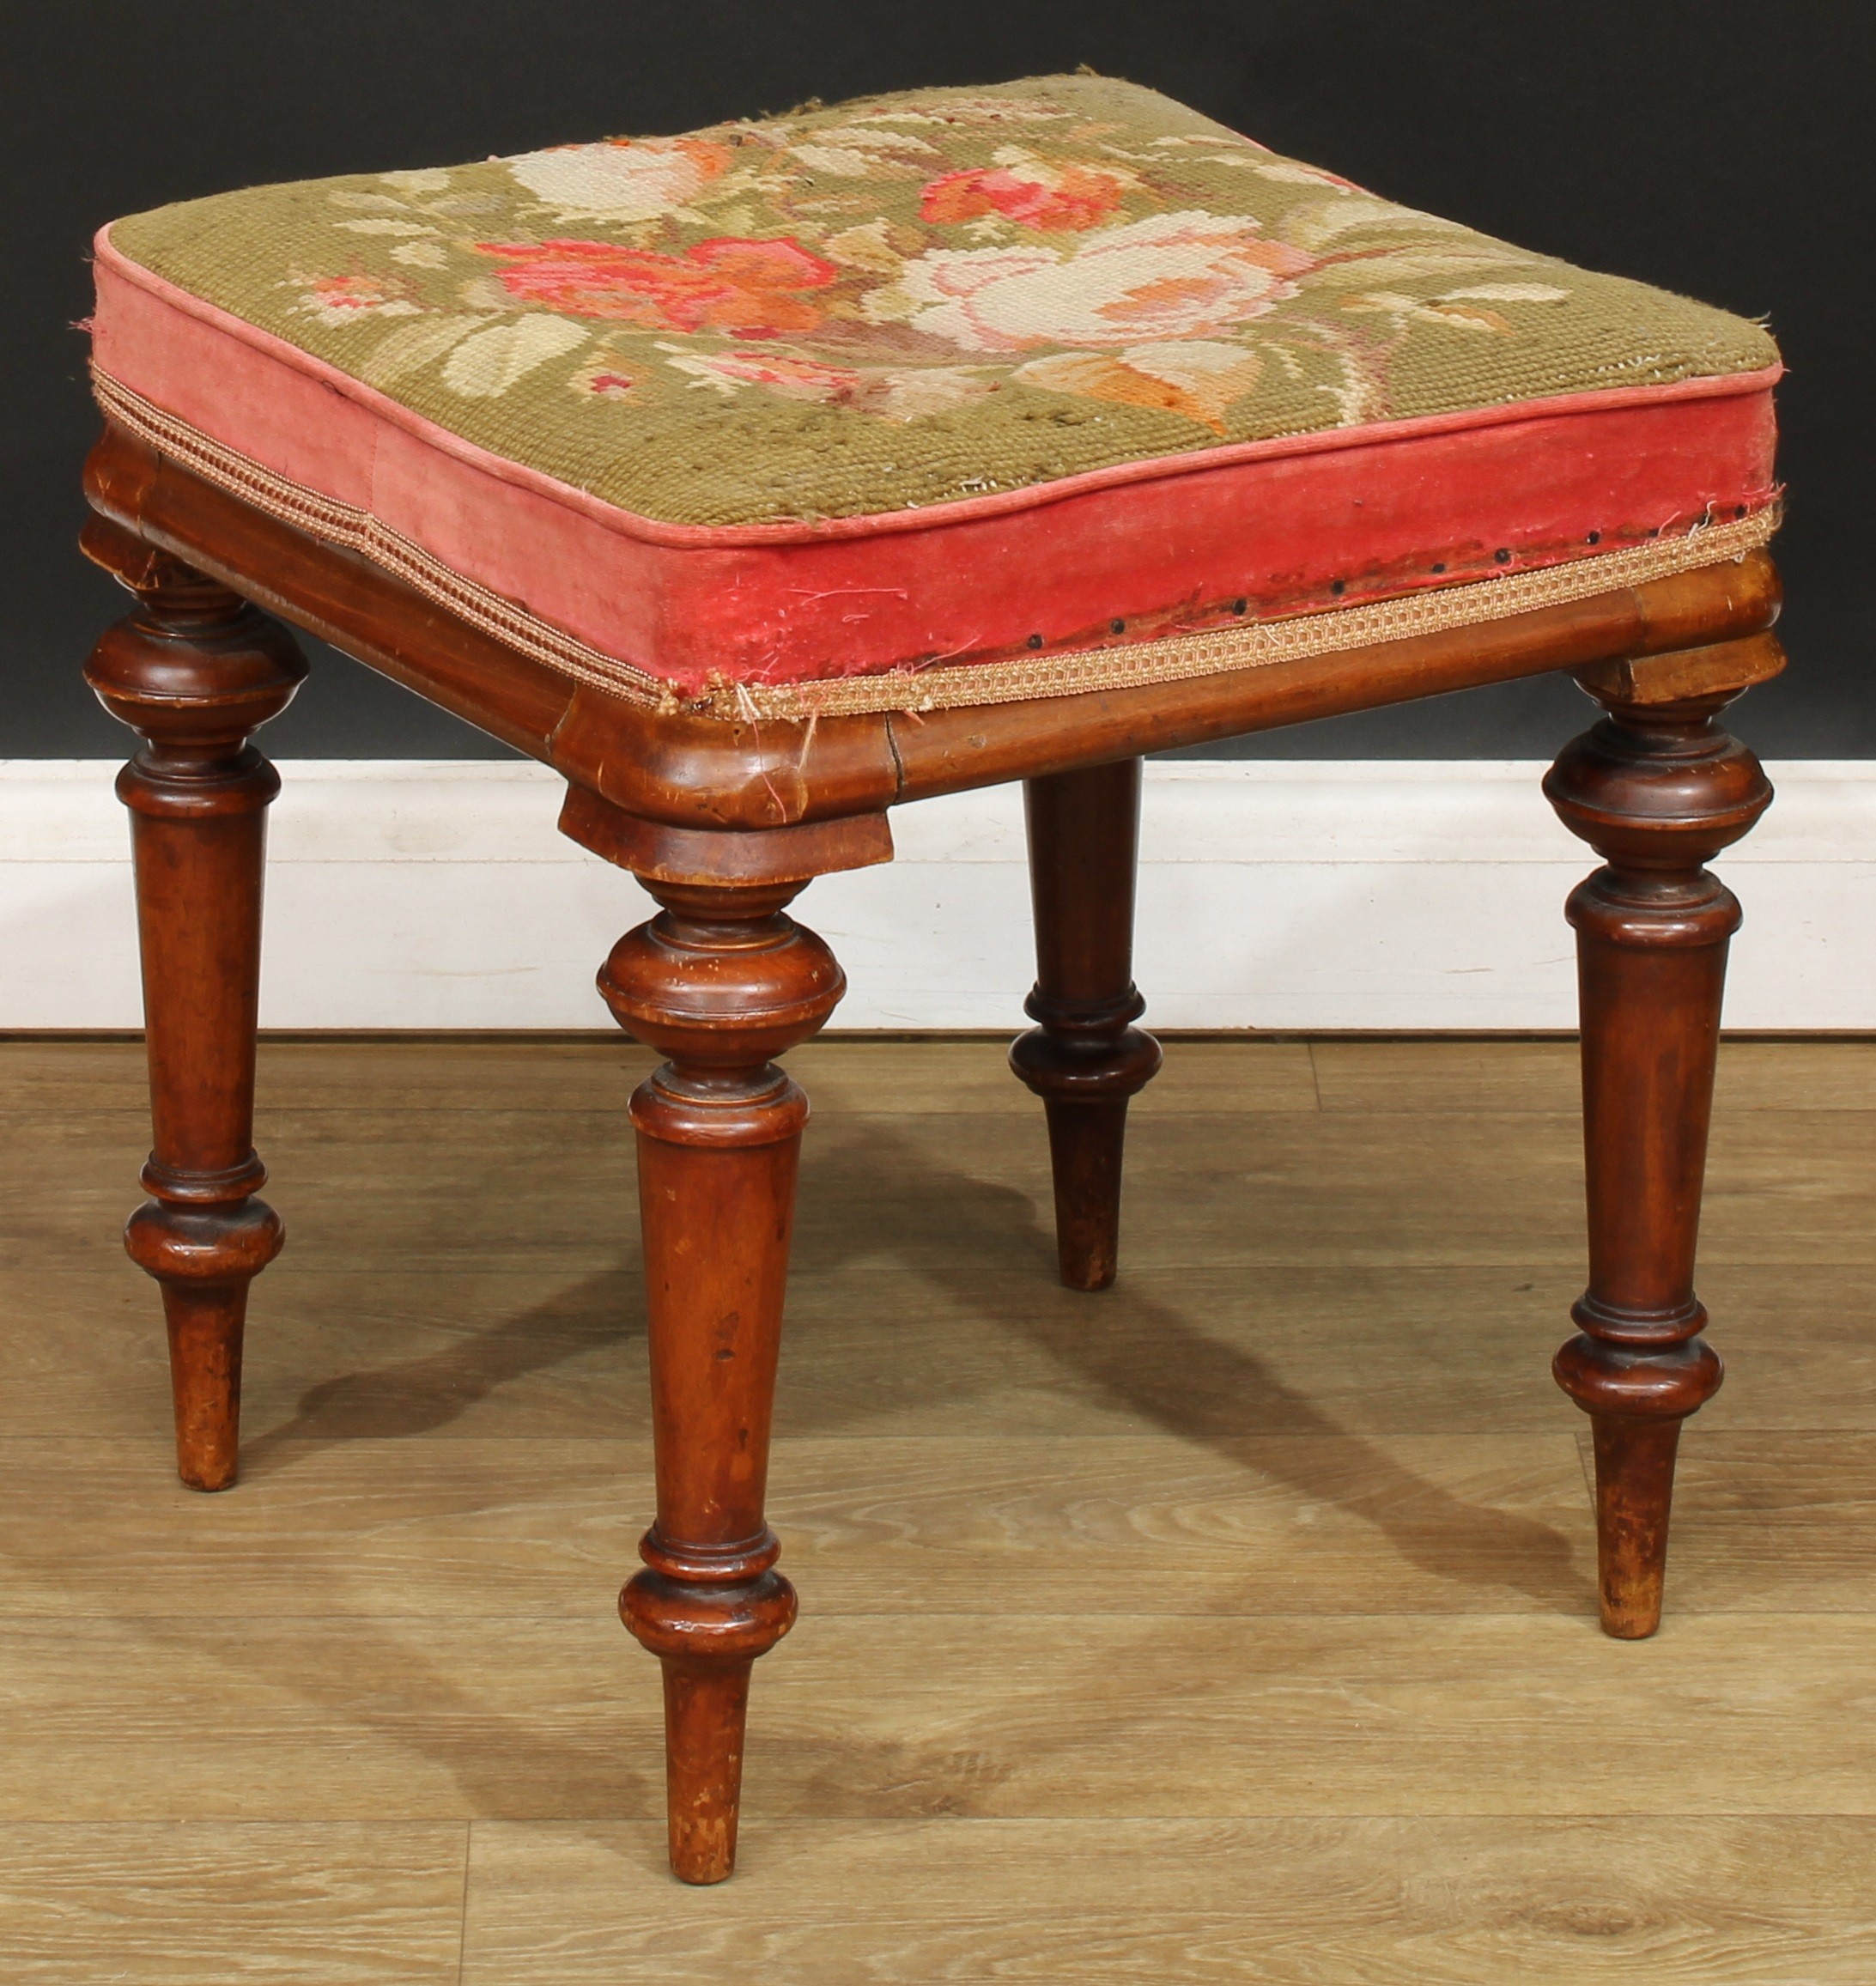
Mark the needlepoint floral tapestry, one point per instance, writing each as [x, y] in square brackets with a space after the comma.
[909, 299]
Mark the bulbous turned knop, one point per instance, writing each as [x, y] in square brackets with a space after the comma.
[722, 978]
[204, 1244]
[1660, 789]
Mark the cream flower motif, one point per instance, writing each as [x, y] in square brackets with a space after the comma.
[484, 366]
[1172, 276]
[425, 179]
[852, 152]
[953, 292]
[910, 391]
[619, 180]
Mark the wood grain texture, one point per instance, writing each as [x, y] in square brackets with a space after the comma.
[1389, 1902]
[350, 1355]
[1100, 1524]
[944, 1195]
[1473, 1077]
[402, 1717]
[1236, 1622]
[349, 1904]
[1238, 1526]
[427, 1075]
[1387, 1076]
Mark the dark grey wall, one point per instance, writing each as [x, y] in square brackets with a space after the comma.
[1717, 147]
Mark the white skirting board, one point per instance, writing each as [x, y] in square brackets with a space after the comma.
[1332, 894]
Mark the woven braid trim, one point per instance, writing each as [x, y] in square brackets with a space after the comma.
[1222, 650]
[1177, 658]
[343, 524]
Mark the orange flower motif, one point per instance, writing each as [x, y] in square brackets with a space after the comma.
[751, 290]
[1064, 199]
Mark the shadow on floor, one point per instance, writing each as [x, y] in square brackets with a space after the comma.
[989, 1253]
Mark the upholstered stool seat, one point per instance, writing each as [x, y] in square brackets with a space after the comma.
[931, 400]
[762, 478]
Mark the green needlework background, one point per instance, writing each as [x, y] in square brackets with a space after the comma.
[908, 299]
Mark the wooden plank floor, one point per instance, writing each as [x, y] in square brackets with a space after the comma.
[1237, 1625]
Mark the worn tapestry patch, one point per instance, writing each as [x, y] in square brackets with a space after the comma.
[909, 300]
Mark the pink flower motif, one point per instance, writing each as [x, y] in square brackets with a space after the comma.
[793, 378]
[896, 392]
[750, 288]
[343, 299]
[1174, 276]
[1061, 199]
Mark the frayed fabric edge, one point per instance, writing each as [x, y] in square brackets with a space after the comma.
[1173, 658]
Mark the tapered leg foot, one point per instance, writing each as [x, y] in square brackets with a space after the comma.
[706, 1700]
[1086, 1059]
[1087, 1143]
[720, 981]
[1635, 1490]
[195, 670]
[206, 1329]
[706, 1712]
[204, 1258]
[1657, 790]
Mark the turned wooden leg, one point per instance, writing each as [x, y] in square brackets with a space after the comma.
[1657, 790]
[720, 981]
[194, 669]
[1085, 1059]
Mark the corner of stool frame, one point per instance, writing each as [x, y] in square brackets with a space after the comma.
[660, 852]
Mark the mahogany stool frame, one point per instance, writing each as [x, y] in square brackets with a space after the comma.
[724, 823]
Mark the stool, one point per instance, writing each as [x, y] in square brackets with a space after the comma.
[762, 478]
